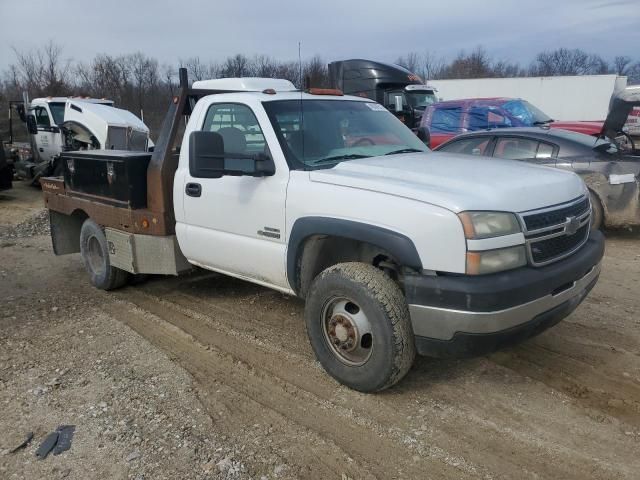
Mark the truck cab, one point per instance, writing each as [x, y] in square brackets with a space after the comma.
[401, 91]
[396, 250]
[48, 115]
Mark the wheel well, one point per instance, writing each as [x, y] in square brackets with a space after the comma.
[65, 231]
[320, 252]
[598, 198]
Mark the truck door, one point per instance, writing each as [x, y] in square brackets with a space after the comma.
[47, 141]
[235, 224]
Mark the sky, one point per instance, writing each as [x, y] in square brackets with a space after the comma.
[513, 30]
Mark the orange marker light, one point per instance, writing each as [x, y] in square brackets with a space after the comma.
[473, 263]
[467, 226]
[145, 223]
[325, 91]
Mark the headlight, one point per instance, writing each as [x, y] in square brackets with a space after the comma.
[488, 224]
[491, 261]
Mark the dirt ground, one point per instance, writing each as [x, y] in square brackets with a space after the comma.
[210, 377]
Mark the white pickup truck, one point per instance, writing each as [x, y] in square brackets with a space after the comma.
[395, 249]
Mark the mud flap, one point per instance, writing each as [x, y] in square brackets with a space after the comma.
[65, 233]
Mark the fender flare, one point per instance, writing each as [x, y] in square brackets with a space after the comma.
[397, 244]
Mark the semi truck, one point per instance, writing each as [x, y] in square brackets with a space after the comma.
[394, 249]
[57, 124]
[398, 89]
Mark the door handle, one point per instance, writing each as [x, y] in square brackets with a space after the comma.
[41, 149]
[193, 189]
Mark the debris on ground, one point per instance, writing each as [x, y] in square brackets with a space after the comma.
[24, 443]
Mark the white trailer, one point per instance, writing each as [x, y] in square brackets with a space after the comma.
[580, 98]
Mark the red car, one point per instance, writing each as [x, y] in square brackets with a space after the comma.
[445, 120]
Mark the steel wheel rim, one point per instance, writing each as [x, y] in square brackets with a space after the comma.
[347, 331]
[95, 256]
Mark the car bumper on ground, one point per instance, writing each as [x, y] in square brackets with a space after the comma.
[459, 315]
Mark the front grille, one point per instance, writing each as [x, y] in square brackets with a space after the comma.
[546, 250]
[555, 217]
[554, 233]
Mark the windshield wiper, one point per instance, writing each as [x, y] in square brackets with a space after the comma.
[404, 150]
[543, 122]
[348, 156]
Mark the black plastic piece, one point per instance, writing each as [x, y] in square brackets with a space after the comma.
[464, 345]
[498, 291]
[398, 245]
[193, 189]
[47, 445]
[65, 436]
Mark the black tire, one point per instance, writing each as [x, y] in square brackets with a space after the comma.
[391, 340]
[95, 256]
[597, 212]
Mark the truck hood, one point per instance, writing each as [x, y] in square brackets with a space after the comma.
[620, 107]
[457, 182]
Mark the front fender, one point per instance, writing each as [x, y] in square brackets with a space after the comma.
[398, 245]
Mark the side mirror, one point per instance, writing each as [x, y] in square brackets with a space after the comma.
[424, 135]
[32, 127]
[21, 112]
[208, 159]
[399, 104]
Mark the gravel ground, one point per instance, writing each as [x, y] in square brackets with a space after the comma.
[210, 377]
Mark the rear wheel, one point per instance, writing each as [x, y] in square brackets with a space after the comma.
[359, 327]
[597, 212]
[95, 256]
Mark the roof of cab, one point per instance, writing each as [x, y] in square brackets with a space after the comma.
[103, 101]
[245, 84]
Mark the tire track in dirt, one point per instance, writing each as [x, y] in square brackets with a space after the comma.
[482, 452]
[373, 453]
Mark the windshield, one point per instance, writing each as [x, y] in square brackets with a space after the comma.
[529, 115]
[421, 100]
[57, 112]
[323, 133]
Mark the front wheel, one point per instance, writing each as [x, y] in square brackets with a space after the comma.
[359, 327]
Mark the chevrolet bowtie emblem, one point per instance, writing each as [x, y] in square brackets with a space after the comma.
[572, 225]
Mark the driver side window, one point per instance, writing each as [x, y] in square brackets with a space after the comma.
[42, 117]
[238, 127]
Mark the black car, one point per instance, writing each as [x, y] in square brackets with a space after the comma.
[611, 175]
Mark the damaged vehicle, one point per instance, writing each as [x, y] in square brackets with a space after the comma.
[60, 124]
[609, 164]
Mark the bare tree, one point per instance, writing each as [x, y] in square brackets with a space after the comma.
[236, 66]
[412, 62]
[633, 74]
[432, 66]
[43, 70]
[564, 61]
[315, 72]
[476, 64]
[621, 64]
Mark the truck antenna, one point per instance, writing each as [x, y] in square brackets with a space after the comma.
[301, 90]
